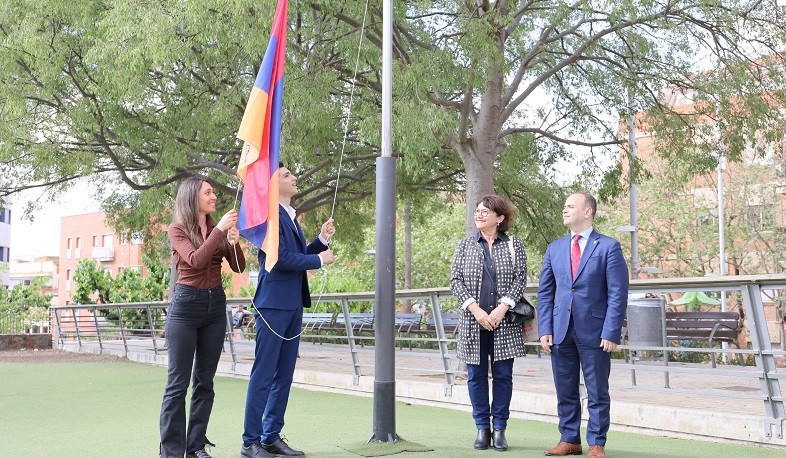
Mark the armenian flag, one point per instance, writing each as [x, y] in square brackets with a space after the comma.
[261, 132]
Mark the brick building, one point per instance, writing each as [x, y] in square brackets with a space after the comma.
[89, 237]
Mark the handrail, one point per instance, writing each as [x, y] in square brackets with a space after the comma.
[69, 327]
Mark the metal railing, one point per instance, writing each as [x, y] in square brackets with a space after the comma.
[32, 321]
[121, 328]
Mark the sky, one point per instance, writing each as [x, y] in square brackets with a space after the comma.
[42, 236]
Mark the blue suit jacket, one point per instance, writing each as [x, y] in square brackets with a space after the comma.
[599, 294]
[285, 287]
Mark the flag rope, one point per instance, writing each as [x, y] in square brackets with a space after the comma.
[347, 113]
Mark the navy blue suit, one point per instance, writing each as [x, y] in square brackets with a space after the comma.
[578, 313]
[280, 297]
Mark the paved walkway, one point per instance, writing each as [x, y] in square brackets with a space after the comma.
[708, 405]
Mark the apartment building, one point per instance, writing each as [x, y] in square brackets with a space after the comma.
[25, 271]
[88, 236]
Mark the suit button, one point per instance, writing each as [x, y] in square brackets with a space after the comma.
[573, 290]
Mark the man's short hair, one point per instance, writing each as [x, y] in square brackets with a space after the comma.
[590, 201]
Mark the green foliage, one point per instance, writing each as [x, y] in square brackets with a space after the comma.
[21, 298]
[488, 96]
[90, 278]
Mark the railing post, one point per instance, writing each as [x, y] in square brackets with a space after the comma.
[98, 330]
[665, 344]
[443, 345]
[231, 340]
[76, 326]
[351, 339]
[765, 362]
[122, 329]
[152, 329]
[58, 331]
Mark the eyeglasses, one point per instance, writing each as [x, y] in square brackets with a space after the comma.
[484, 212]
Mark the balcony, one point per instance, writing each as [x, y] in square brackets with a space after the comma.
[103, 254]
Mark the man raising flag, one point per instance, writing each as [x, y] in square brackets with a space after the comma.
[267, 219]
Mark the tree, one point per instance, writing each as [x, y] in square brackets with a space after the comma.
[137, 97]
[147, 95]
[483, 79]
[21, 297]
[89, 279]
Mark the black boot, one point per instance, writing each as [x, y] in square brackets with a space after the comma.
[483, 439]
[500, 443]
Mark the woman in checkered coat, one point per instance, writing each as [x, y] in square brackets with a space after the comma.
[488, 276]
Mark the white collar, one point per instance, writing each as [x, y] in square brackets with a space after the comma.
[290, 211]
[584, 234]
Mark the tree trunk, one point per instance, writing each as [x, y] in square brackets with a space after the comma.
[480, 182]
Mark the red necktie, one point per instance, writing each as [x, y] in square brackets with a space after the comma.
[575, 255]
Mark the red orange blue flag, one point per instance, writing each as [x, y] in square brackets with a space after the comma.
[261, 132]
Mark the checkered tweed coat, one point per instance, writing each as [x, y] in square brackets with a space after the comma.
[465, 278]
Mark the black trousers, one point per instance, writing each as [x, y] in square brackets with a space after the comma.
[195, 329]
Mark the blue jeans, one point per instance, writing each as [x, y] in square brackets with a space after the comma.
[478, 386]
[195, 328]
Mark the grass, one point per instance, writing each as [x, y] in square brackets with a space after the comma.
[111, 409]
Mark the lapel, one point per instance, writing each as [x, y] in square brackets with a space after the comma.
[565, 258]
[592, 243]
[284, 216]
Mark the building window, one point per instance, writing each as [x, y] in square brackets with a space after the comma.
[95, 240]
[108, 240]
[78, 248]
[123, 238]
[5, 254]
[137, 238]
[2, 215]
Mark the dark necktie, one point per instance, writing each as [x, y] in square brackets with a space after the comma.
[575, 256]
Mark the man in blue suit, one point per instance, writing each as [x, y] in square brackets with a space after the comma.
[582, 298]
[280, 298]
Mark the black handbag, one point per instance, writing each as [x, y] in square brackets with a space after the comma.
[523, 310]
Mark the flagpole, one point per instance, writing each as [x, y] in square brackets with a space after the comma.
[384, 312]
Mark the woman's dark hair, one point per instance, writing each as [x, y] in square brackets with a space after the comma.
[187, 209]
[500, 206]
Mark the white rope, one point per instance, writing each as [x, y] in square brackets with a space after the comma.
[347, 114]
[349, 109]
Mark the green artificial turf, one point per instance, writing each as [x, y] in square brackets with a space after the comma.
[111, 410]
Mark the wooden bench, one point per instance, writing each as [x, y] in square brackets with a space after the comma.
[314, 323]
[712, 326]
[406, 323]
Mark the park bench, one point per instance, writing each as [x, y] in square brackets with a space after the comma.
[406, 323]
[359, 322]
[315, 323]
[710, 326]
[450, 322]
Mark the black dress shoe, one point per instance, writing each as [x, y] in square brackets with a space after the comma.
[255, 451]
[280, 447]
[483, 440]
[500, 443]
[199, 454]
